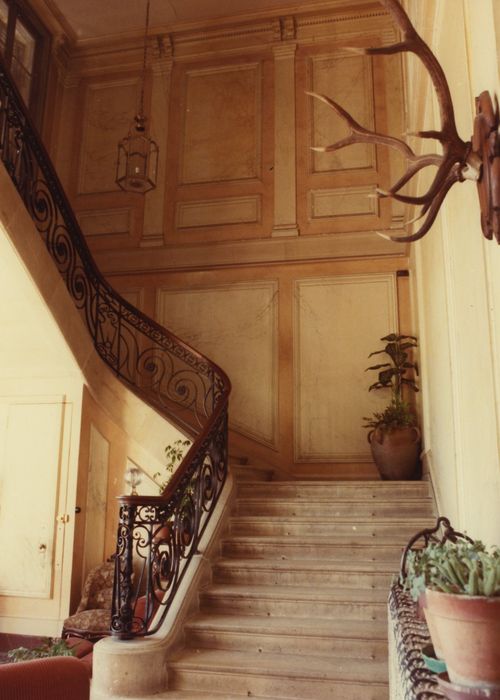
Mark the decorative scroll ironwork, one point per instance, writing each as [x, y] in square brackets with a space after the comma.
[157, 536]
[416, 681]
[409, 633]
[441, 532]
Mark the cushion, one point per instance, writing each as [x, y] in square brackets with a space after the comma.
[96, 621]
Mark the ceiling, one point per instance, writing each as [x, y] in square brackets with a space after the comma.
[93, 19]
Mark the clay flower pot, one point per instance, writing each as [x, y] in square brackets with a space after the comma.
[424, 614]
[396, 452]
[468, 628]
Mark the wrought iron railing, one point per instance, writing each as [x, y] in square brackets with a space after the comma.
[408, 632]
[157, 536]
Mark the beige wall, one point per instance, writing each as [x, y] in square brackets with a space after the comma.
[456, 274]
[255, 249]
[40, 411]
[68, 429]
[295, 340]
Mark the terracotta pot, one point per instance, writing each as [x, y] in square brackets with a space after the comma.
[424, 614]
[396, 452]
[434, 633]
[469, 635]
[453, 691]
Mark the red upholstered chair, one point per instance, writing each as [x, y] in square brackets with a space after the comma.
[54, 678]
[93, 616]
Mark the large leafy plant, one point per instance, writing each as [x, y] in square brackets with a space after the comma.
[173, 456]
[396, 373]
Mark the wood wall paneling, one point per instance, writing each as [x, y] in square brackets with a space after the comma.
[219, 171]
[109, 109]
[348, 80]
[333, 188]
[221, 138]
[109, 217]
[236, 326]
[218, 212]
[105, 222]
[338, 322]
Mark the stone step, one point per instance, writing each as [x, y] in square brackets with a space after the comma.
[328, 490]
[360, 531]
[352, 639]
[300, 572]
[308, 548]
[335, 510]
[202, 695]
[296, 601]
[278, 675]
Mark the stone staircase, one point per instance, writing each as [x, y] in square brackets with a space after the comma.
[297, 604]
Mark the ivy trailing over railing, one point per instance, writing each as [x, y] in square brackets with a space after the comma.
[157, 535]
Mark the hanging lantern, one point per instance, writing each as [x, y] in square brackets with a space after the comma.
[137, 164]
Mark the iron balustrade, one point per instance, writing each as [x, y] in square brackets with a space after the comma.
[157, 535]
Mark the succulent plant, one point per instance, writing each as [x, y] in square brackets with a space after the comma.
[462, 567]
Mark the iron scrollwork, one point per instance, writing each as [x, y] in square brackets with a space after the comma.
[157, 536]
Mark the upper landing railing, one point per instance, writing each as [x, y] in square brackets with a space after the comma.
[157, 535]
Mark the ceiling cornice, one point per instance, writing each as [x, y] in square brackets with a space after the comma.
[58, 25]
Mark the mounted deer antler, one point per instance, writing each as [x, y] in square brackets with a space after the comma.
[479, 160]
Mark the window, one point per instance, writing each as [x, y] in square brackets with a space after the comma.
[23, 44]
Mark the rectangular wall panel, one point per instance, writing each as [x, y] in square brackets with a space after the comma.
[97, 490]
[105, 223]
[347, 80]
[31, 435]
[338, 322]
[109, 110]
[221, 131]
[236, 326]
[219, 212]
[343, 201]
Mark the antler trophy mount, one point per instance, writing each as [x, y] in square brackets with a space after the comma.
[477, 159]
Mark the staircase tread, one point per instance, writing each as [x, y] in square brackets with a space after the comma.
[203, 695]
[417, 521]
[352, 538]
[354, 483]
[295, 593]
[307, 540]
[331, 500]
[323, 496]
[372, 630]
[307, 565]
[290, 665]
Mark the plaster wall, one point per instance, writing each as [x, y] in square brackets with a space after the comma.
[456, 275]
[59, 408]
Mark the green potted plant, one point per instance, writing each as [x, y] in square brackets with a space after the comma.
[394, 436]
[50, 646]
[173, 455]
[462, 600]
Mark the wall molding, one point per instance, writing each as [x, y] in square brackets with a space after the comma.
[316, 407]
